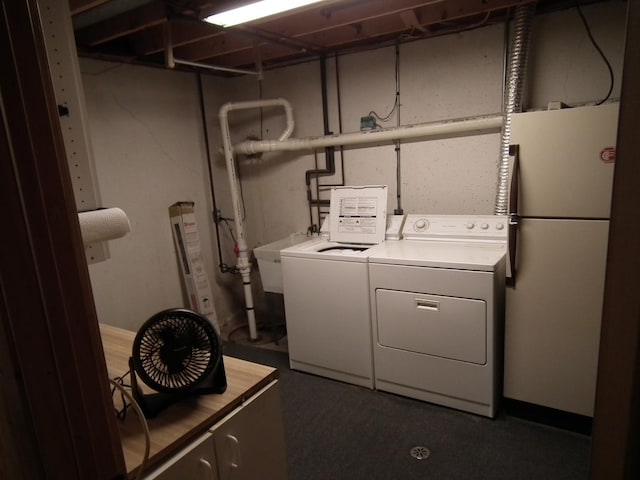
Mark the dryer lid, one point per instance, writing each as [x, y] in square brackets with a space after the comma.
[358, 214]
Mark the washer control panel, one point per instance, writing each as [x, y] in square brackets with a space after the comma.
[455, 227]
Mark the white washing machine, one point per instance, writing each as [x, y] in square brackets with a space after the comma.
[326, 289]
[437, 308]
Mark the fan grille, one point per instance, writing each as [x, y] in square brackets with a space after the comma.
[174, 350]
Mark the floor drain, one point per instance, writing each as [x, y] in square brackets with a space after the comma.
[420, 453]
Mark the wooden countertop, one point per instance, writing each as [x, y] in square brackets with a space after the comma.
[182, 422]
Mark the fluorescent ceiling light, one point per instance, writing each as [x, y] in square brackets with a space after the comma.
[254, 11]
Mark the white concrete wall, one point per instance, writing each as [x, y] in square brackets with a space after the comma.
[149, 145]
[564, 64]
[147, 138]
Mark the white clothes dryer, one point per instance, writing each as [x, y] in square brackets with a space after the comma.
[437, 308]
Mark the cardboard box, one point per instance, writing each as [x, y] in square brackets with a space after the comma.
[187, 243]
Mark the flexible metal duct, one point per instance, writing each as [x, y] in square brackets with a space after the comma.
[513, 96]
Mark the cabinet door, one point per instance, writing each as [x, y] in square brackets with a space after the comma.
[195, 462]
[249, 443]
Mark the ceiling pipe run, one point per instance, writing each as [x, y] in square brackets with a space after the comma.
[216, 68]
[171, 61]
[425, 131]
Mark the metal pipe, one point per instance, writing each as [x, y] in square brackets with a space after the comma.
[339, 102]
[215, 67]
[513, 97]
[244, 265]
[170, 60]
[398, 209]
[329, 153]
[450, 128]
[205, 130]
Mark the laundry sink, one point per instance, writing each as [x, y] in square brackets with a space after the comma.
[269, 261]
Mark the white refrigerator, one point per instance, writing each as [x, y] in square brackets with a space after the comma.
[553, 311]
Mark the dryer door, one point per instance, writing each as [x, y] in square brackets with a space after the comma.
[447, 327]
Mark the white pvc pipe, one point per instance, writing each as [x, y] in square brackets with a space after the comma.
[468, 126]
[244, 265]
[451, 128]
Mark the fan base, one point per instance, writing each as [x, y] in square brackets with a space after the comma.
[152, 404]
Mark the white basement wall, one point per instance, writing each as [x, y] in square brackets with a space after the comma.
[149, 144]
[148, 141]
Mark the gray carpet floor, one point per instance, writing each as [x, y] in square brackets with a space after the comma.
[336, 431]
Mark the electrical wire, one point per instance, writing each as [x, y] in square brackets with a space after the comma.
[239, 175]
[445, 31]
[122, 413]
[143, 422]
[396, 102]
[388, 116]
[469, 27]
[597, 47]
[226, 222]
[224, 268]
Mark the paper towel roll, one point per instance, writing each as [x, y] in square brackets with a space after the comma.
[103, 224]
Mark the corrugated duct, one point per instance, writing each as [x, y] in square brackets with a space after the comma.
[513, 96]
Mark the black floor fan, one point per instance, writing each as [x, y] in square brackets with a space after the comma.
[178, 354]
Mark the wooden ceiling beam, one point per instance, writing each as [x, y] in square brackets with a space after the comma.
[197, 42]
[201, 40]
[339, 15]
[276, 38]
[211, 7]
[370, 30]
[325, 20]
[148, 43]
[451, 11]
[183, 32]
[79, 6]
[212, 47]
[316, 31]
[136, 20]
[241, 39]
[248, 58]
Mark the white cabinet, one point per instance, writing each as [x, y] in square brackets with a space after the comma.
[196, 462]
[249, 442]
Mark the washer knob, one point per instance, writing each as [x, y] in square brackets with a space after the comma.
[420, 224]
[470, 225]
[499, 226]
[484, 226]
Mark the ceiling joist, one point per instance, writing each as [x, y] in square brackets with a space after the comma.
[138, 19]
[104, 30]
